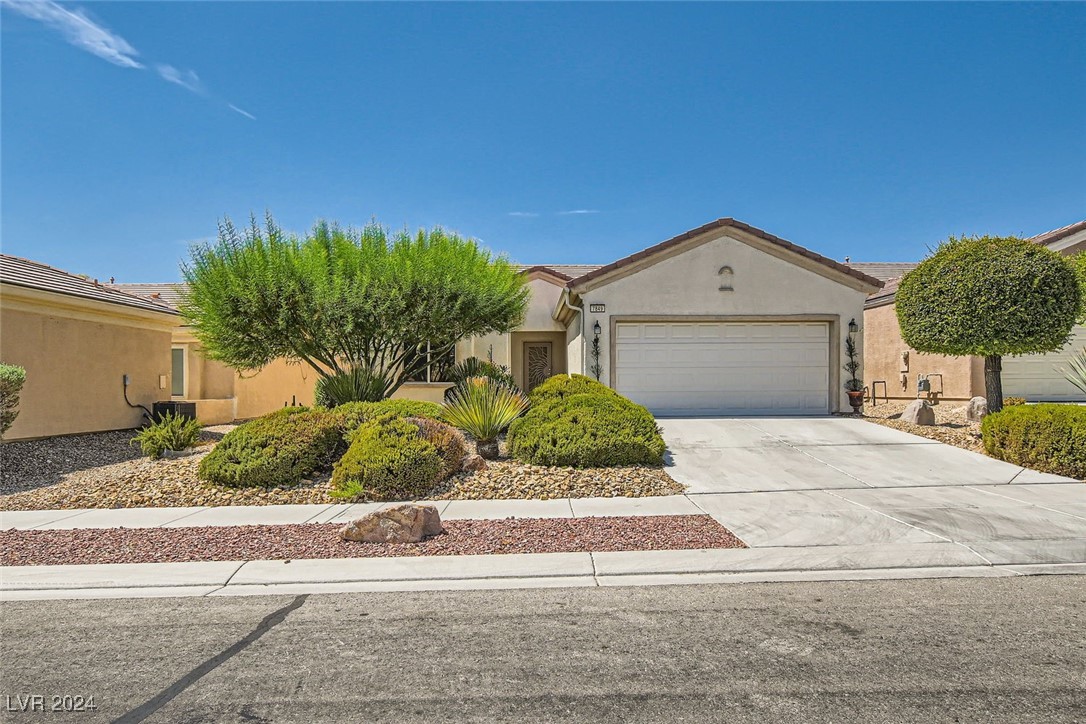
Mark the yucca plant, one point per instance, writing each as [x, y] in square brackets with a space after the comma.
[484, 408]
[356, 385]
[461, 373]
[1076, 374]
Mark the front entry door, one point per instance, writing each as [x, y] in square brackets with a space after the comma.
[537, 364]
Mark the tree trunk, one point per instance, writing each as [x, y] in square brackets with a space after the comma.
[993, 382]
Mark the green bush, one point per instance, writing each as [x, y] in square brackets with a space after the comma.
[561, 386]
[353, 414]
[356, 385]
[388, 459]
[278, 449]
[1050, 437]
[450, 443]
[12, 378]
[169, 432]
[1008, 401]
[589, 429]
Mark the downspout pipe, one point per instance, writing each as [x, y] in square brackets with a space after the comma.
[580, 313]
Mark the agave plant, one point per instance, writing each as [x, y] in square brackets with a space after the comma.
[460, 374]
[483, 408]
[1076, 374]
[355, 385]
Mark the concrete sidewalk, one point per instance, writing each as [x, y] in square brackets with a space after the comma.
[542, 570]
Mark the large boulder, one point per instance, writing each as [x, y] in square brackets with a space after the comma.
[407, 523]
[976, 409]
[919, 412]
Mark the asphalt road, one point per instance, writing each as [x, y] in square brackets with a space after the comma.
[954, 650]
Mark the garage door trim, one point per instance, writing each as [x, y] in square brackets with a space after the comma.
[833, 320]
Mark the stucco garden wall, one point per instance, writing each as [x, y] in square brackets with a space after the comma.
[963, 377]
[687, 284]
[75, 362]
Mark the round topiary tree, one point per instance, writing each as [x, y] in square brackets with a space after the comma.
[989, 296]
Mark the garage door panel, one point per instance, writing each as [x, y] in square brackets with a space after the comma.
[1039, 377]
[711, 368]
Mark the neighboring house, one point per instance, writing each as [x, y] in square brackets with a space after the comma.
[79, 342]
[1036, 377]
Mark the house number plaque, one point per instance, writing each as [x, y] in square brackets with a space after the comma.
[597, 308]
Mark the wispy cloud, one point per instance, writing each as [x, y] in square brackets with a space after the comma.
[86, 34]
[577, 212]
[524, 214]
[187, 79]
[81, 31]
[245, 113]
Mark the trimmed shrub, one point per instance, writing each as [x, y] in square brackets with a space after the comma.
[388, 459]
[169, 432]
[278, 449]
[12, 378]
[352, 414]
[590, 429]
[1050, 437]
[450, 443]
[561, 386]
[1009, 401]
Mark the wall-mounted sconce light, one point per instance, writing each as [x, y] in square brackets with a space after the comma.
[596, 328]
[853, 328]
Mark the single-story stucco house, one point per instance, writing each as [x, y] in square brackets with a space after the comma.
[724, 319]
[896, 368]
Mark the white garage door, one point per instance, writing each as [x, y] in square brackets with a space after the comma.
[724, 368]
[1037, 377]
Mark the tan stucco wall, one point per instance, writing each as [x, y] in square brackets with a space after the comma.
[274, 386]
[425, 391]
[963, 377]
[540, 314]
[75, 368]
[558, 353]
[687, 284]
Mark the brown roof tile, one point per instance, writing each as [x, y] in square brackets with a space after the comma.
[21, 272]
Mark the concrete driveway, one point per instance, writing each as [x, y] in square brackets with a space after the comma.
[782, 482]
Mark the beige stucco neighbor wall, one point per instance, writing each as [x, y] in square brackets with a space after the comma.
[963, 377]
[276, 385]
[76, 353]
[765, 284]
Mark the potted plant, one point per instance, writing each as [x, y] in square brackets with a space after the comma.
[854, 387]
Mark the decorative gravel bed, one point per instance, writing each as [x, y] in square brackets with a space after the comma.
[103, 471]
[950, 427]
[295, 542]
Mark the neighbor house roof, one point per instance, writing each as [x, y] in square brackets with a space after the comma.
[884, 270]
[20, 272]
[169, 294]
[1051, 237]
[723, 224]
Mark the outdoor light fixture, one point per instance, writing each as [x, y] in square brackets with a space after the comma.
[596, 329]
[853, 328]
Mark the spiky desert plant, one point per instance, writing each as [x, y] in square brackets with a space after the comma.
[484, 408]
[1076, 370]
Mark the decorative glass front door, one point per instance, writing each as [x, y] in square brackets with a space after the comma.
[537, 363]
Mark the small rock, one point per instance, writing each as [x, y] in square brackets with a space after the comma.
[407, 523]
[919, 412]
[474, 463]
[976, 409]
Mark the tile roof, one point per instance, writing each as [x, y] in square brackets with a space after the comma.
[21, 272]
[884, 270]
[719, 224]
[169, 294]
[1051, 237]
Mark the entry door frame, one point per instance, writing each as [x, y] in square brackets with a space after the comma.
[833, 320]
[546, 344]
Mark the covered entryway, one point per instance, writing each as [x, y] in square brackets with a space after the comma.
[1038, 377]
[725, 368]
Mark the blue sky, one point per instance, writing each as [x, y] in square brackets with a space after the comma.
[561, 133]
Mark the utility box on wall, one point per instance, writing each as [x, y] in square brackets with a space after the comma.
[174, 407]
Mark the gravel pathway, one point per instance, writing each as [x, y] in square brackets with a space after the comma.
[950, 426]
[294, 542]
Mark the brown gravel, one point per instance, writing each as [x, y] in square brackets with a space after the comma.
[296, 542]
[103, 471]
[950, 425]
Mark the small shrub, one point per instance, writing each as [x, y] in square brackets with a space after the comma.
[169, 432]
[278, 449]
[450, 443]
[12, 378]
[1010, 401]
[484, 408]
[356, 385]
[1048, 437]
[388, 459]
[590, 429]
[353, 414]
[562, 386]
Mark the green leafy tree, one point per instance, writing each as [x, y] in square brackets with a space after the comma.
[989, 296]
[343, 300]
[12, 378]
